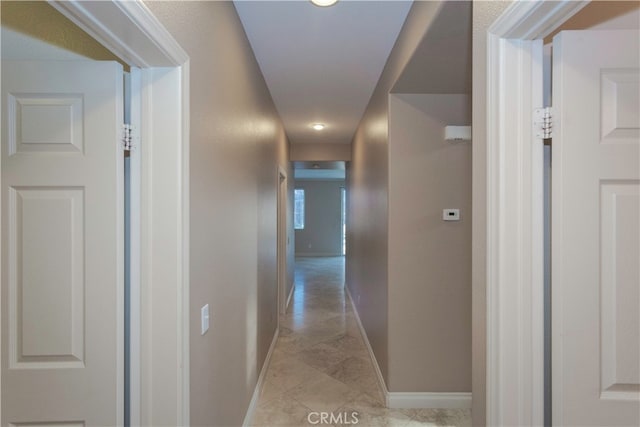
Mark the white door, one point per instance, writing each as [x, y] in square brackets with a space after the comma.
[62, 243]
[596, 229]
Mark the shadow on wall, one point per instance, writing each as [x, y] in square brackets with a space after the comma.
[39, 21]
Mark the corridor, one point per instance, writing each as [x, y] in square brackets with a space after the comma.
[320, 363]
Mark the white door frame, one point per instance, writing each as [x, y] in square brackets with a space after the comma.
[515, 346]
[283, 300]
[131, 31]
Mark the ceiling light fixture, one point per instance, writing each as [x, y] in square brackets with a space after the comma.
[318, 126]
[324, 3]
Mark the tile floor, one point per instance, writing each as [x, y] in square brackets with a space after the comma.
[320, 363]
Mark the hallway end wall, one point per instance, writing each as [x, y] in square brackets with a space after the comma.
[237, 142]
[321, 235]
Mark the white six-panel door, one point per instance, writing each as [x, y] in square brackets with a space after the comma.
[62, 243]
[596, 229]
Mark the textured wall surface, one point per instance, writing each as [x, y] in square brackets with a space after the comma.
[237, 143]
[39, 21]
[429, 259]
[368, 182]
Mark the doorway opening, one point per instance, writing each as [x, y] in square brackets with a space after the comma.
[319, 220]
[319, 211]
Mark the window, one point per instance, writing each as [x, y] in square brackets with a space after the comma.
[298, 209]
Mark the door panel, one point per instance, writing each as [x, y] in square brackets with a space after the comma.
[47, 290]
[62, 234]
[596, 228]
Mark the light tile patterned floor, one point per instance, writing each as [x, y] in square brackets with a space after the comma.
[320, 363]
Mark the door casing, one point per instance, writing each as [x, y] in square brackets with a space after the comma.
[282, 241]
[515, 248]
[132, 33]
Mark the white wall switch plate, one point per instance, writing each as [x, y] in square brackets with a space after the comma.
[204, 319]
[451, 214]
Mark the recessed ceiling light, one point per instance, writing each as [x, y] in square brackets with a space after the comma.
[324, 3]
[318, 126]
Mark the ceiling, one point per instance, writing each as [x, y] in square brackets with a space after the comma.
[322, 64]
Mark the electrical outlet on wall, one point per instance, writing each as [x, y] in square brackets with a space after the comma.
[204, 319]
[451, 214]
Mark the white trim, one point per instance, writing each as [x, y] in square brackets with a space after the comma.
[374, 361]
[162, 259]
[289, 297]
[511, 270]
[135, 251]
[514, 211]
[429, 400]
[126, 28]
[534, 20]
[281, 241]
[451, 400]
[120, 256]
[258, 389]
[133, 33]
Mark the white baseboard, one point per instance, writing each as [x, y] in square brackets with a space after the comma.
[410, 399]
[293, 287]
[374, 361]
[256, 392]
[429, 400]
[317, 255]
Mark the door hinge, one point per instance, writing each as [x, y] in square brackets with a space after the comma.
[127, 137]
[543, 122]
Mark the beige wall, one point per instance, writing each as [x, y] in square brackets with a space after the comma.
[429, 259]
[237, 141]
[367, 178]
[602, 15]
[36, 25]
[484, 13]
[321, 235]
[320, 152]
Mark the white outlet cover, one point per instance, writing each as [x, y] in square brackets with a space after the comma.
[451, 214]
[204, 319]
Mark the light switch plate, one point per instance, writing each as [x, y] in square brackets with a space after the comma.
[451, 214]
[204, 319]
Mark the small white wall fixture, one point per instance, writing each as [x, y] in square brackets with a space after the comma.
[515, 346]
[457, 133]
